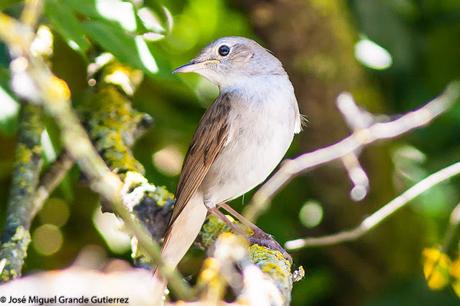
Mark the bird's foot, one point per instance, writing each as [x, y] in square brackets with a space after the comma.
[258, 236]
[263, 239]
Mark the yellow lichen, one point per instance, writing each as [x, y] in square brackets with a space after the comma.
[23, 154]
[272, 263]
[211, 230]
[15, 250]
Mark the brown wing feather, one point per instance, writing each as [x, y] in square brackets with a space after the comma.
[208, 141]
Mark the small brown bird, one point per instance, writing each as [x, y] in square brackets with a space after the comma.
[239, 141]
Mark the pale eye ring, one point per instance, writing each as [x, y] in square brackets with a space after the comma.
[224, 50]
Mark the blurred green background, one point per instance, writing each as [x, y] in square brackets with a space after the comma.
[392, 55]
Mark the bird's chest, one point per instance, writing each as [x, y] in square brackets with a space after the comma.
[261, 129]
[261, 132]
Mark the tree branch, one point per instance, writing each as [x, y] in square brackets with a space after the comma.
[272, 263]
[113, 126]
[50, 180]
[355, 142]
[16, 236]
[54, 94]
[380, 215]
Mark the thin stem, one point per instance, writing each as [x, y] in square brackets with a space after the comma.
[380, 215]
[31, 12]
[50, 180]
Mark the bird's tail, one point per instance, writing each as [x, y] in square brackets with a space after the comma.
[178, 239]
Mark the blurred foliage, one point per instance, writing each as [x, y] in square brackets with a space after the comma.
[389, 266]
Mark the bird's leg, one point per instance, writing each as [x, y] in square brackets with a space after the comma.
[240, 217]
[216, 212]
[259, 237]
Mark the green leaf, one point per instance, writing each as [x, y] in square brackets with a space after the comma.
[9, 107]
[131, 50]
[67, 25]
[118, 12]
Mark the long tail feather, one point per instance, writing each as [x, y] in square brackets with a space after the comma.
[179, 237]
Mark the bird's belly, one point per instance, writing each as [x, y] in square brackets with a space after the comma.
[249, 158]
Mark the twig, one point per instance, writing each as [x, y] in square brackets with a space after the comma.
[380, 215]
[357, 176]
[31, 12]
[55, 96]
[356, 119]
[356, 141]
[452, 235]
[16, 236]
[50, 180]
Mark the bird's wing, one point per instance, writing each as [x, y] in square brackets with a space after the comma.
[210, 138]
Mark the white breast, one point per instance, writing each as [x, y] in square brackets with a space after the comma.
[264, 118]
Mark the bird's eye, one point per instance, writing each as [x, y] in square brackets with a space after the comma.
[224, 50]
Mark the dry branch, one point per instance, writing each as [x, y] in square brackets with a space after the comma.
[380, 215]
[356, 141]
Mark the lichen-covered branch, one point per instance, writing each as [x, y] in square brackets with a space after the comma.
[272, 264]
[112, 123]
[113, 126]
[16, 236]
[45, 88]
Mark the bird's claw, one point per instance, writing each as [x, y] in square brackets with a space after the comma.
[261, 238]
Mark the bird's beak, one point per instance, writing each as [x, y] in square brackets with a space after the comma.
[194, 66]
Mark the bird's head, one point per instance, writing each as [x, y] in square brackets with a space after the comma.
[231, 59]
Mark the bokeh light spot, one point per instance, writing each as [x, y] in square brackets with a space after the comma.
[168, 160]
[56, 212]
[311, 214]
[372, 55]
[47, 239]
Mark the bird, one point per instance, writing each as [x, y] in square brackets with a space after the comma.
[239, 141]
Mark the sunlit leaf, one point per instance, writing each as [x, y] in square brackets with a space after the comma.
[67, 25]
[436, 266]
[131, 50]
[9, 107]
[117, 11]
[125, 48]
[150, 20]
